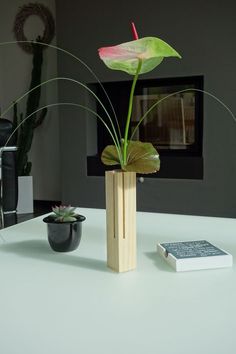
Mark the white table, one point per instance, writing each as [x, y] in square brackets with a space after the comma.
[71, 303]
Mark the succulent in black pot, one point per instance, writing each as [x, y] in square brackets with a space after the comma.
[64, 228]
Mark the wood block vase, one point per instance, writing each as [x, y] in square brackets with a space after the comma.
[121, 220]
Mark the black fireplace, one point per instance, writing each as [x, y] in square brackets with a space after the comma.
[174, 125]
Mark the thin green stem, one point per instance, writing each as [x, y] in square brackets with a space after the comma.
[69, 104]
[81, 62]
[131, 99]
[72, 80]
[175, 93]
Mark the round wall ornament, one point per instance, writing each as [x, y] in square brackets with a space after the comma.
[44, 14]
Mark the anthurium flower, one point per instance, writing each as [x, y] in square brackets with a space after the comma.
[126, 56]
[136, 57]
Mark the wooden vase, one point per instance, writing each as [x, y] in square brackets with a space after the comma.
[121, 220]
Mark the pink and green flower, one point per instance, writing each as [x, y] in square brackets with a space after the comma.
[126, 56]
[137, 57]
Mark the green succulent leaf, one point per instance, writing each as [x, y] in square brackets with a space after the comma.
[125, 56]
[64, 213]
[142, 157]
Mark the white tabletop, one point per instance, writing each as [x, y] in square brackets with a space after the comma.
[71, 303]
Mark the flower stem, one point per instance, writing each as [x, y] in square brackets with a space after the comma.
[69, 104]
[131, 99]
[114, 134]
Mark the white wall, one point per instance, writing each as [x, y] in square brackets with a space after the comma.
[15, 75]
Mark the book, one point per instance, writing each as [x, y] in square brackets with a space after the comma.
[194, 255]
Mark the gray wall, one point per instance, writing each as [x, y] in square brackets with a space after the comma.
[15, 75]
[204, 33]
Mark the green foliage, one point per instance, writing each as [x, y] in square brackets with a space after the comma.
[25, 132]
[141, 157]
[136, 57]
[64, 213]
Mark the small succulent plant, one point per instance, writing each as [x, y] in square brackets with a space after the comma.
[64, 213]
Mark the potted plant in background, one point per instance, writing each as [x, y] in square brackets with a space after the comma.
[64, 228]
[25, 133]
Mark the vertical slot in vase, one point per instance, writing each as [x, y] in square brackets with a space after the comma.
[121, 220]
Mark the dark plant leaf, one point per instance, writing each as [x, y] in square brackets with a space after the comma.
[142, 158]
[110, 156]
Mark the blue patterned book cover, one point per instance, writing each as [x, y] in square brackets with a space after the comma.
[191, 249]
[194, 255]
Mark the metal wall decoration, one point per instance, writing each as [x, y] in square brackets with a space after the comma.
[45, 15]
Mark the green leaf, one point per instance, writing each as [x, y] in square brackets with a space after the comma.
[142, 158]
[110, 156]
[125, 56]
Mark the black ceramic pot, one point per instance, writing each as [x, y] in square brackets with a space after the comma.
[64, 236]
